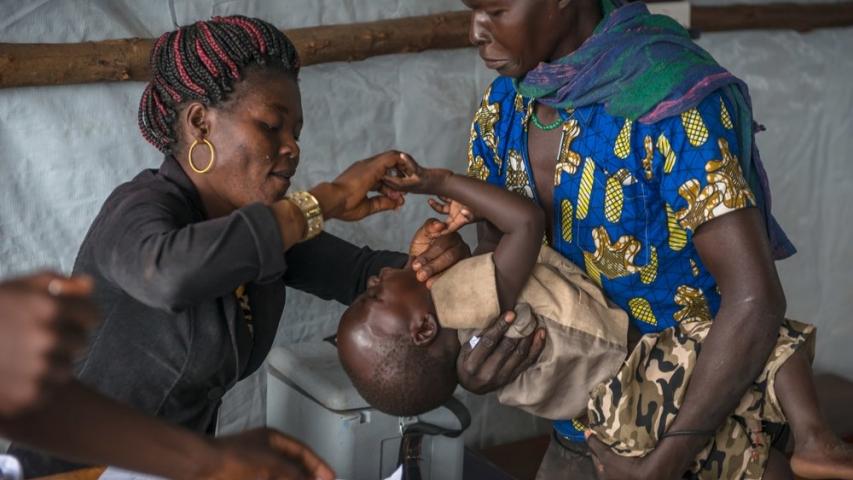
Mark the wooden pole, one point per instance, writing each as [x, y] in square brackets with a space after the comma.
[775, 16]
[24, 65]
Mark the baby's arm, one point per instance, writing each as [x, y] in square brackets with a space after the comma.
[519, 219]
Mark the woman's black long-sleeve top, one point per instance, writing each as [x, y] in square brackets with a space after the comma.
[173, 338]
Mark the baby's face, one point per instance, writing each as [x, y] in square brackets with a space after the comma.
[392, 304]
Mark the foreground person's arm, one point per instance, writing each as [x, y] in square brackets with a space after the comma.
[80, 424]
[734, 249]
[44, 321]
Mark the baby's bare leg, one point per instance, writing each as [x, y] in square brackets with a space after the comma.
[818, 452]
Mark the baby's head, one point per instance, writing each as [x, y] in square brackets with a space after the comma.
[393, 348]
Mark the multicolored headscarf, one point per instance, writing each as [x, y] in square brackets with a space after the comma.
[645, 67]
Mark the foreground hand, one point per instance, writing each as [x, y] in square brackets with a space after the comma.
[497, 360]
[44, 321]
[432, 252]
[265, 454]
[458, 215]
[351, 187]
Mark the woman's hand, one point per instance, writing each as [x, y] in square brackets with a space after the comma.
[431, 252]
[414, 178]
[497, 360]
[264, 454]
[44, 321]
[346, 198]
[458, 215]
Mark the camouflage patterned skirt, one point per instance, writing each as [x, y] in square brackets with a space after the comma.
[632, 410]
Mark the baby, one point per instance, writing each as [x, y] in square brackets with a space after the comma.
[399, 342]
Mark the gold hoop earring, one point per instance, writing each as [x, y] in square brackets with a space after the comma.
[212, 156]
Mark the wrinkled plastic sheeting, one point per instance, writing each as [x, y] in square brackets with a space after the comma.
[65, 148]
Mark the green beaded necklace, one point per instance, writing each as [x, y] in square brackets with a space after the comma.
[550, 126]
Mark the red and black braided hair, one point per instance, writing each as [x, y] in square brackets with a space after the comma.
[201, 62]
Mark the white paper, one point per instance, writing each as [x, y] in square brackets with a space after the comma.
[113, 473]
[397, 475]
[10, 468]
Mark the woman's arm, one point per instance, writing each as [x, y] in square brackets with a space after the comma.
[334, 269]
[150, 247]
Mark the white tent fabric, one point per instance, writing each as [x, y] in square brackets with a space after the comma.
[63, 149]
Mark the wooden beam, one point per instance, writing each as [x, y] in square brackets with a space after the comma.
[23, 65]
[358, 41]
[775, 16]
[122, 60]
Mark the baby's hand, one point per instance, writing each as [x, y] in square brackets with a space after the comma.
[411, 177]
[458, 215]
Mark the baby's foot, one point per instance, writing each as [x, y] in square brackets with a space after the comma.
[823, 456]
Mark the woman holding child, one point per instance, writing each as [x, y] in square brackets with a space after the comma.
[639, 148]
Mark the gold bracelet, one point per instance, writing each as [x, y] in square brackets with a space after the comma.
[310, 208]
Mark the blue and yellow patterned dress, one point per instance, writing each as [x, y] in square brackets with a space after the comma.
[627, 197]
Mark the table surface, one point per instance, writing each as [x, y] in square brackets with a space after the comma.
[87, 474]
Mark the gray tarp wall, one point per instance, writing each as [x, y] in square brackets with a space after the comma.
[63, 149]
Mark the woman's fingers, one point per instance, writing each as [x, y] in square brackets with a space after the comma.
[367, 175]
[389, 192]
[397, 162]
[422, 239]
[373, 205]
[430, 267]
[433, 226]
[444, 252]
[404, 184]
[398, 197]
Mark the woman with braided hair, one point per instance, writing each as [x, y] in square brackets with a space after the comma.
[190, 261]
